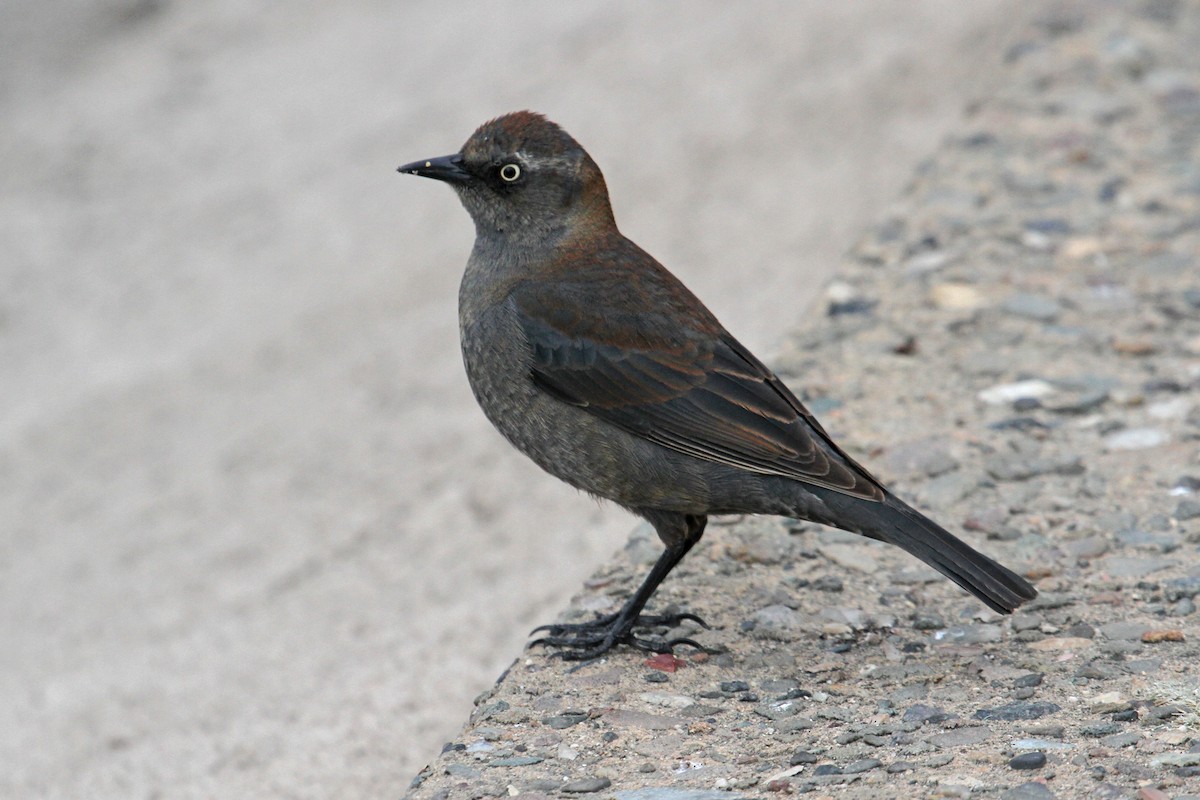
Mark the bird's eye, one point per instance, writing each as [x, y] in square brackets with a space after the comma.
[510, 172]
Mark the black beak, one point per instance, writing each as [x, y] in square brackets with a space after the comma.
[446, 168]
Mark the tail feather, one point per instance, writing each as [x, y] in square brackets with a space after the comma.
[897, 523]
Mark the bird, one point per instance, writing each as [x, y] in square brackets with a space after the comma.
[597, 363]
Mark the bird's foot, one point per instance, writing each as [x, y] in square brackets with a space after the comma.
[582, 641]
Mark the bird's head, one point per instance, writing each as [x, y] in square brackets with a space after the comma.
[522, 177]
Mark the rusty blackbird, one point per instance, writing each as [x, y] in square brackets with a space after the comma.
[597, 363]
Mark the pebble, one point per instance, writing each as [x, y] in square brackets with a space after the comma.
[969, 634]
[1175, 408]
[516, 761]
[666, 700]
[1136, 347]
[1032, 790]
[1136, 439]
[850, 618]
[926, 621]
[1143, 666]
[827, 583]
[956, 296]
[922, 713]
[1040, 744]
[1187, 509]
[1117, 740]
[1186, 484]
[1181, 588]
[850, 556]
[1032, 306]
[1015, 467]
[922, 457]
[1007, 393]
[1047, 600]
[1086, 548]
[1163, 712]
[1131, 567]
[1034, 760]
[1077, 403]
[786, 687]
[1017, 711]
[778, 709]
[1098, 729]
[960, 737]
[776, 622]
[1144, 540]
[1108, 702]
[802, 757]
[1127, 631]
[1152, 793]
[862, 765]
[586, 785]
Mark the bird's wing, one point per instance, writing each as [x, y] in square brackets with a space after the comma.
[692, 387]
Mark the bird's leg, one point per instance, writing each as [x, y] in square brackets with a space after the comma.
[586, 640]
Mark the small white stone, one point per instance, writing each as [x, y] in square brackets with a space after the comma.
[1176, 408]
[1136, 439]
[926, 262]
[957, 296]
[1009, 392]
[1108, 698]
[666, 700]
[1035, 240]
[1040, 744]
[840, 292]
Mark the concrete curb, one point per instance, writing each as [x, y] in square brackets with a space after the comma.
[1017, 349]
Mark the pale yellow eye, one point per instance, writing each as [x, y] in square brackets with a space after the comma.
[510, 172]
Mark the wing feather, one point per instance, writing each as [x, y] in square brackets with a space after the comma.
[694, 389]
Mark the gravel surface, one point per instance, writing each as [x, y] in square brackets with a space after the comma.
[1016, 347]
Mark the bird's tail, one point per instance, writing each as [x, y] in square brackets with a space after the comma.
[897, 523]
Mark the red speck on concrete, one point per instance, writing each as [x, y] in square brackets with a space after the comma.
[665, 662]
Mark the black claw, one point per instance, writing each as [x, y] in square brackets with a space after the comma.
[559, 628]
[588, 641]
[689, 642]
